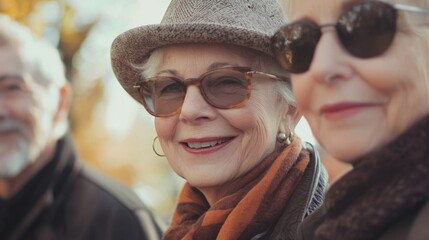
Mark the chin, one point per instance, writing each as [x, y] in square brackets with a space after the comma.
[202, 182]
[13, 165]
[347, 154]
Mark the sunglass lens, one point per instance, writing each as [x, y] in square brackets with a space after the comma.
[294, 45]
[225, 88]
[367, 29]
[162, 96]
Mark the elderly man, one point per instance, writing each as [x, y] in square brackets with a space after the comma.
[45, 192]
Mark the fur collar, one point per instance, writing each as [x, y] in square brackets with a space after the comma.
[383, 186]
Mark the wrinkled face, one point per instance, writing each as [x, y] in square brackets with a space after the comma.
[26, 115]
[357, 105]
[208, 146]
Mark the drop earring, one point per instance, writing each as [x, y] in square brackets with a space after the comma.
[290, 138]
[281, 138]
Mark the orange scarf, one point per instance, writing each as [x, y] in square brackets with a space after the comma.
[255, 203]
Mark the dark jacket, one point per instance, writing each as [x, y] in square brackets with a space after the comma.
[385, 196]
[68, 200]
[306, 198]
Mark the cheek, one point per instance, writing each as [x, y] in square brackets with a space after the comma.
[22, 114]
[165, 127]
[259, 122]
[254, 143]
[31, 115]
[241, 119]
[399, 70]
[400, 84]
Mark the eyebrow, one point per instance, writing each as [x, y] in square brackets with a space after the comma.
[168, 71]
[217, 65]
[212, 66]
[11, 76]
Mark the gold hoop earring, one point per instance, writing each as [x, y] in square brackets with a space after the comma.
[153, 148]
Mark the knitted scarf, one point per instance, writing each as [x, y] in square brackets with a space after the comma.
[253, 203]
[382, 188]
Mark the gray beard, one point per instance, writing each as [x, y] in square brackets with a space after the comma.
[15, 162]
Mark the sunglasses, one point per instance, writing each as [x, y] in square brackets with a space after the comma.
[365, 30]
[223, 88]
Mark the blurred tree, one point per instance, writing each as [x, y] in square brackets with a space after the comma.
[18, 9]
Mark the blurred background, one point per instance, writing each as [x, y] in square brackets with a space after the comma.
[112, 132]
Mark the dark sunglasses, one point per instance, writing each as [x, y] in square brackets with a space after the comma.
[223, 88]
[365, 30]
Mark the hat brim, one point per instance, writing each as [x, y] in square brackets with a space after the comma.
[134, 46]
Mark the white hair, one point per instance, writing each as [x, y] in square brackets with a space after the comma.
[40, 59]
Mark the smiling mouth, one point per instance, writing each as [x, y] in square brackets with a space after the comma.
[344, 107]
[209, 144]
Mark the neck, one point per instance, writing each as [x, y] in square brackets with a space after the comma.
[10, 186]
[212, 195]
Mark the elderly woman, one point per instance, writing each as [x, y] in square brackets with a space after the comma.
[361, 78]
[225, 117]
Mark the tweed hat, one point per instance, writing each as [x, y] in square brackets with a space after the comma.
[247, 23]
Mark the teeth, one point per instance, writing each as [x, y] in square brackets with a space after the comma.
[198, 145]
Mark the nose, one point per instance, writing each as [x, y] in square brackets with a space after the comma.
[195, 108]
[330, 61]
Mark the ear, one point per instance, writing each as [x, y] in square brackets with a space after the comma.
[290, 119]
[63, 108]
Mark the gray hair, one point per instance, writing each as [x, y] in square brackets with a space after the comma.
[40, 59]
